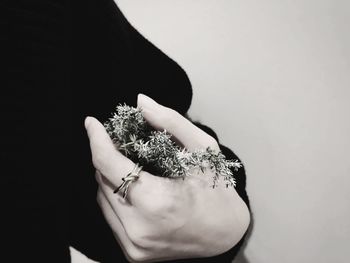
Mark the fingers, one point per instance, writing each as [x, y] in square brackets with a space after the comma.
[161, 117]
[114, 166]
[106, 158]
[139, 193]
[120, 206]
[128, 247]
[112, 218]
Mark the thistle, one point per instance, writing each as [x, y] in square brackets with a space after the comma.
[159, 154]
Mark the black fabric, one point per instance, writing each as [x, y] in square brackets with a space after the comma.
[66, 60]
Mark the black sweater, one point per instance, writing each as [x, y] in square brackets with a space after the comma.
[65, 60]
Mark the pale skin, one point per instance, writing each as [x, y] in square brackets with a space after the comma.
[163, 218]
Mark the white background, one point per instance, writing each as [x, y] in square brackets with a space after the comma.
[272, 78]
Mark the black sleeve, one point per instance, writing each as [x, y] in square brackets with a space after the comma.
[34, 56]
[151, 70]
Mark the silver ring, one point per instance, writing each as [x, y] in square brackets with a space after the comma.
[131, 177]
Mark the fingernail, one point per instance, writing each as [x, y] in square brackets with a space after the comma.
[146, 102]
[87, 121]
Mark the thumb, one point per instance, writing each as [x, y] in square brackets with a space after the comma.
[164, 118]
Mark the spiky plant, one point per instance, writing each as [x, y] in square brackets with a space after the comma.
[159, 154]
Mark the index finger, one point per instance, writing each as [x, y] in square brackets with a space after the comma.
[113, 165]
[105, 157]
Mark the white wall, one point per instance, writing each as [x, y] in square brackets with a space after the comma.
[273, 79]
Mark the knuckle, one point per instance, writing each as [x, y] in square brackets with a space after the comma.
[135, 254]
[212, 142]
[161, 203]
[99, 198]
[98, 177]
[170, 208]
[98, 159]
[140, 238]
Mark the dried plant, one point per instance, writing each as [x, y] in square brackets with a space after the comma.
[159, 154]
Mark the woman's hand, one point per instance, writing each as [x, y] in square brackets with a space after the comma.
[166, 218]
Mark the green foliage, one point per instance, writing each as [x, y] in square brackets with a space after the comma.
[158, 153]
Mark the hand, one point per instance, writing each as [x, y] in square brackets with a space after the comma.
[166, 218]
